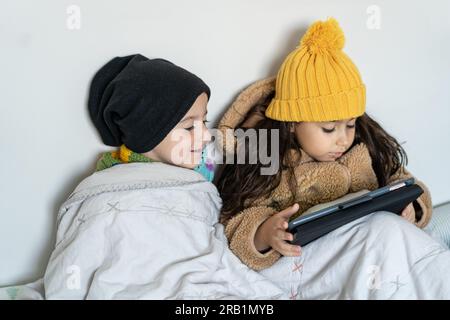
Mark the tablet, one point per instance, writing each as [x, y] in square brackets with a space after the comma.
[363, 197]
[393, 198]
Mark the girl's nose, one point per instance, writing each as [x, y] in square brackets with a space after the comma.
[342, 140]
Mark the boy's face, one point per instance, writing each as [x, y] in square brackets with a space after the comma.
[325, 141]
[183, 145]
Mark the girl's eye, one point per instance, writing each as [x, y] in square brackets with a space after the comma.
[328, 130]
[331, 130]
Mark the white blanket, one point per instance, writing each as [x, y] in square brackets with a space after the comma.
[144, 231]
[150, 231]
[380, 256]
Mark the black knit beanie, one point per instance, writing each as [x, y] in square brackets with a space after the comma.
[137, 101]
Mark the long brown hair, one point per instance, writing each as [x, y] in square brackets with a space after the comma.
[240, 184]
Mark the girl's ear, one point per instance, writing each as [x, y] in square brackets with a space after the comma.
[292, 126]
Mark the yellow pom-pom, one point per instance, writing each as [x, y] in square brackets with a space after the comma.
[324, 35]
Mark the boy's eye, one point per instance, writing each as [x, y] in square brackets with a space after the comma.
[193, 127]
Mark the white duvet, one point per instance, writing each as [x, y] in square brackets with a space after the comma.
[151, 231]
[380, 256]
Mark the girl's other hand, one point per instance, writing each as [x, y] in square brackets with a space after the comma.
[409, 213]
[272, 233]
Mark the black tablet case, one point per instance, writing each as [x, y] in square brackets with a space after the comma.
[394, 201]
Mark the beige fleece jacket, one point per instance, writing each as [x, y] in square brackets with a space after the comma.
[317, 183]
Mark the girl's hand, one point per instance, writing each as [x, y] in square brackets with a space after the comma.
[409, 213]
[272, 233]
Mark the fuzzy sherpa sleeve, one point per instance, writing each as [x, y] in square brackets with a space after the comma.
[423, 204]
[240, 231]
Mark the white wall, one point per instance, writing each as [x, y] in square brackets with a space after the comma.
[48, 143]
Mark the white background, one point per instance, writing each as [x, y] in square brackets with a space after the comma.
[48, 144]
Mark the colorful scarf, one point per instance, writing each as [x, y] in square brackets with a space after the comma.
[125, 155]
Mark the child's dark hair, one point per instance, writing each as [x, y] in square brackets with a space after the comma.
[240, 184]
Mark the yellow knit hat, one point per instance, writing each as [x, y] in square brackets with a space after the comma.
[318, 81]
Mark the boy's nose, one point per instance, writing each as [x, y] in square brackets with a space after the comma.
[206, 137]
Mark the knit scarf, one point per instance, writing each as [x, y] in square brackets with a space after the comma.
[125, 155]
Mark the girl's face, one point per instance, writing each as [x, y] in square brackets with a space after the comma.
[325, 141]
[183, 145]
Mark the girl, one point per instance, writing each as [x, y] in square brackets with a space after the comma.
[144, 225]
[328, 147]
